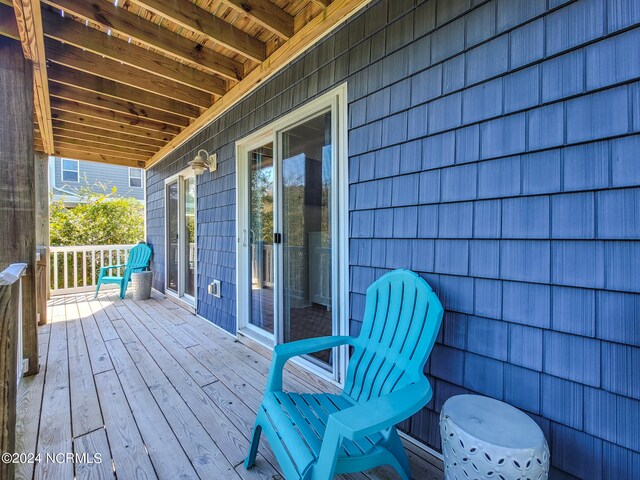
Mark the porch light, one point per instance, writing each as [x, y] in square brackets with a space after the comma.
[204, 160]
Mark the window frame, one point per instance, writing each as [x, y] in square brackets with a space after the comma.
[63, 170]
[134, 178]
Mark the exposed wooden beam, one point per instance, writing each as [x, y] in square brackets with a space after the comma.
[113, 104]
[319, 27]
[100, 134]
[188, 15]
[118, 91]
[62, 142]
[119, 20]
[82, 154]
[93, 122]
[58, 104]
[265, 13]
[29, 21]
[8, 25]
[322, 3]
[69, 31]
[103, 140]
[88, 62]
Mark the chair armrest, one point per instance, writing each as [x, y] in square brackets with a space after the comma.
[104, 269]
[382, 412]
[282, 353]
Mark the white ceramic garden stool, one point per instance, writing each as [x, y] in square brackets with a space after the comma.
[483, 438]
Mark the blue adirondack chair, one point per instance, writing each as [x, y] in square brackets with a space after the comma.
[316, 436]
[138, 261]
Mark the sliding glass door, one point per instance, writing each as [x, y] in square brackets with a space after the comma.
[289, 230]
[180, 192]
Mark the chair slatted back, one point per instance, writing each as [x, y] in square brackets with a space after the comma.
[401, 321]
[139, 256]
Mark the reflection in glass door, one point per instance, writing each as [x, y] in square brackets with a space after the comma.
[306, 232]
[261, 252]
[172, 236]
[181, 237]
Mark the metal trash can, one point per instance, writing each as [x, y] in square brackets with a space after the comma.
[141, 285]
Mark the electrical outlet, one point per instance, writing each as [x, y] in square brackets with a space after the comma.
[215, 289]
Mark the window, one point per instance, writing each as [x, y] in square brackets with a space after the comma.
[69, 170]
[135, 177]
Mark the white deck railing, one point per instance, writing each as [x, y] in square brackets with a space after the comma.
[76, 268]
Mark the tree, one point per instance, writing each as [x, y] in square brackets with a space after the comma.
[102, 219]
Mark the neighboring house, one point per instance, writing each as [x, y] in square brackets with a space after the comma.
[68, 177]
[493, 148]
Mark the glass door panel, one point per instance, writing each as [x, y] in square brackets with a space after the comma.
[172, 236]
[190, 238]
[306, 232]
[261, 252]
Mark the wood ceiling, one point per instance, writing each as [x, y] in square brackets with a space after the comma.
[126, 81]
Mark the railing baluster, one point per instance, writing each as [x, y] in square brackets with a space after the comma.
[75, 269]
[65, 270]
[55, 270]
[84, 268]
[93, 267]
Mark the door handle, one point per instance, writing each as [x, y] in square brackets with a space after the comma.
[277, 238]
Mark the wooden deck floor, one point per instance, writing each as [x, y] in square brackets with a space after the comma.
[155, 391]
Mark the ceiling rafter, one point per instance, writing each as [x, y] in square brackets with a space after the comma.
[266, 14]
[108, 141]
[73, 33]
[188, 15]
[97, 133]
[96, 100]
[88, 62]
[148, 33]
[81, 153]
[119, 91]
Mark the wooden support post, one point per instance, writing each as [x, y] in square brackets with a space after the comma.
[17, 208]
[41, 167]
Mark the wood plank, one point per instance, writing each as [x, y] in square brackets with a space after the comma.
[145, 327]
[55, 417]
[92, 446]
[103, 321]
[78, 154]
[266, 14]
[119, 20]
[96, 134]
[94, 123]
[130, 456]
[74, 33]
[97, 100]
[100, 361]
[85, 409]
[167, 455]
[67, 138]
[335, 14]
[29, 20]
[190, 16]
[58, 104]
[119, 91]
[131, 153]
[30, 393]
[88, 62]
[207, 458]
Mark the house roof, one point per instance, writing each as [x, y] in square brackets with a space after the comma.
[126, 81]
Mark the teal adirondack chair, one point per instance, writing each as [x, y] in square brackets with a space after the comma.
[138, 261]
[316, 436]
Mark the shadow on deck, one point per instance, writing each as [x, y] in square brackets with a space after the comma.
[155, 391]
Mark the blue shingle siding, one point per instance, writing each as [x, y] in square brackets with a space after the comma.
[493, 149]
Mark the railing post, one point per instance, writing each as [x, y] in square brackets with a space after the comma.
[42, 284]
[10, 307]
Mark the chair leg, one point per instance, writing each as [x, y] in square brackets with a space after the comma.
[97, 289]
[253, 448]
[401, 461]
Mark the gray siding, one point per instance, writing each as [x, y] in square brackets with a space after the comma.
[91, 173]
[493, 147]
